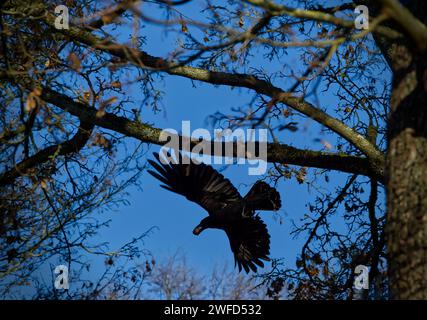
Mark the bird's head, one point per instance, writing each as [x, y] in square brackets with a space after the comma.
[205, 223]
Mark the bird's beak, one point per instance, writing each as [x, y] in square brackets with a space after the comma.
[197, 230]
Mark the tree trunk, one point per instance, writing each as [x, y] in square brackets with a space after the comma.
[406, 228]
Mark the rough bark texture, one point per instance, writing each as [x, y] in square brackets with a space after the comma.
[407, 176]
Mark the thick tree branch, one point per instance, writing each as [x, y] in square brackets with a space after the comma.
[278, 153]
[414, 27]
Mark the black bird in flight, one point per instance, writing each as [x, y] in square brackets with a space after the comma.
[228, 210]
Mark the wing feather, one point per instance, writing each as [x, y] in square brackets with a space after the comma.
[198, 182]
[250, 243]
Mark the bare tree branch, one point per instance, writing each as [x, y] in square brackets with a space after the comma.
[71, 146]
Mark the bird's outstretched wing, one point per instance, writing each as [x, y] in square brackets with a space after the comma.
[198, 182]
[250, 243]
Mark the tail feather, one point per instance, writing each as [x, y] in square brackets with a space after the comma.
[263, 197]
